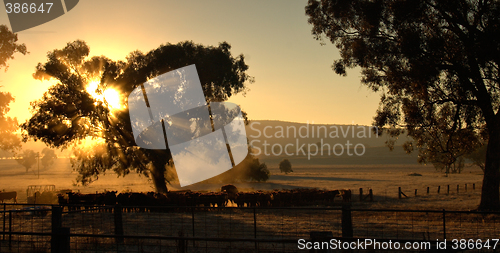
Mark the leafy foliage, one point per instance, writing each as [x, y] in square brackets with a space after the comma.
[49, 155]
[8, 47]
[437, 65]
[286, 166]
[8, 139]
[250, 169]
[478, 156]
[256, 171]
[28, 159]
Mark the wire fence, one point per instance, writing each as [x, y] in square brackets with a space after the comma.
[28, 228]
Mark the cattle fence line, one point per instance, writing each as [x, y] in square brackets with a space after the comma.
[119, 228]
[428, 190]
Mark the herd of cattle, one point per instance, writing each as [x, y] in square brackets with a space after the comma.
[227, 195]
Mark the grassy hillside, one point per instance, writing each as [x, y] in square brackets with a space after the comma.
[314, 144]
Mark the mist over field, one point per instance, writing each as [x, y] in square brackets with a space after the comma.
[378, 168]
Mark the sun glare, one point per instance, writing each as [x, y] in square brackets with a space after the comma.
[91, 89]
[110, 96]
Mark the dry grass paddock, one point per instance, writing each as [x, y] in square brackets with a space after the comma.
[384, 180]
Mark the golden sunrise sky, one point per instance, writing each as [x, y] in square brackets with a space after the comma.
[293, 77]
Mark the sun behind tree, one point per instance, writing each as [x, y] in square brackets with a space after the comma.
[89, 103]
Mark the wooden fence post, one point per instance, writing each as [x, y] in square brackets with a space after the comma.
[448, 190]
[439, 189]
[60, 237]
[347, 231]
[415, 192]
[360, 194]
[465, 187]
[192, 223]
[427, 189]
[255, 228]
[118, 223]
[473, 186]
[4, 221]
[181, 243]
[370, 192]
[56, 225]
[10, 229]
[401, 193]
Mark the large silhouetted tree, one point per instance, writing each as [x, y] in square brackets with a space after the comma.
[426, 57]
[69, 113]
[8, 47]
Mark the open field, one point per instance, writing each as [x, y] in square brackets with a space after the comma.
[92, 231]
[384, 179]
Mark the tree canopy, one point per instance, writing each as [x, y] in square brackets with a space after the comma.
[77, 110]
[8, 47]
[49, 155]
[28, 159]
[429, 59]
[250, 169]
[285, 166]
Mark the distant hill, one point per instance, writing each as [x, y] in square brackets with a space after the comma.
[319, 144]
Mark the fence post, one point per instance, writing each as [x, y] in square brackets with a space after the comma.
[181, 243]
[360, 194]
[448, 189]
[427, 189]
[401, 193]
[4, 221]
[370, 192]
[192, 222]
[255, 228]
[439, 189]
[415, 192]
[347, 231]
[473, 186]
[118, 223]
[465, 187]
[64, 240]
[60, 241]
[444, 224]
[458, 187]
[10, 229]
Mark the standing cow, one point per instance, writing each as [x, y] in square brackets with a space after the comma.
[231, 191]
[8, 195]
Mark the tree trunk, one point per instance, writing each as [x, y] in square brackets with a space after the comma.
[160, 159]
[158, 175]
[490, 197]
